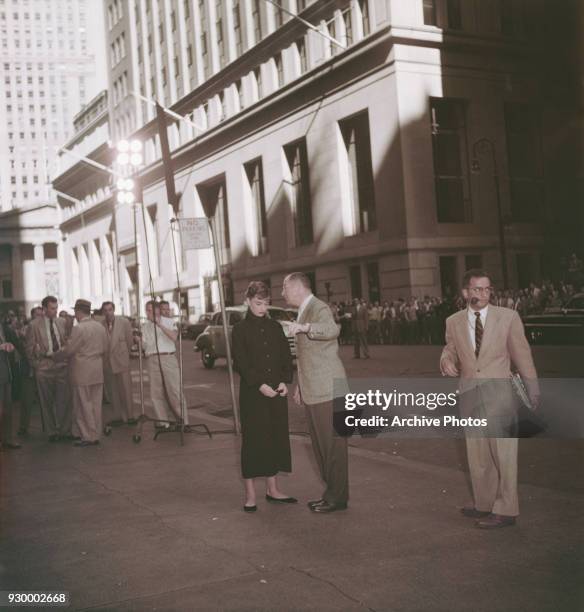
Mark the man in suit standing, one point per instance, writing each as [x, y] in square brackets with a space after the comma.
[318, 366]
[85, 351]
[359, 326]
[47, 335]
[482, 341]
[117, 363]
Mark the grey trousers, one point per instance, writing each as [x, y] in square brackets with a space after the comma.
[87, 412]
[118, 389]
[330, 451]
[55, 400]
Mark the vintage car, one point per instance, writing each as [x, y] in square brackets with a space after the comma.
[564, 325]
[211, 343]
[191, 331]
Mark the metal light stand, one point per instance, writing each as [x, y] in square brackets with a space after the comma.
[181, 426]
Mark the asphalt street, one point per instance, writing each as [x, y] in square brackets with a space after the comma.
[159, 526]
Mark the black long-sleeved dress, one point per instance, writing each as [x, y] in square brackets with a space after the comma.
[262, 355]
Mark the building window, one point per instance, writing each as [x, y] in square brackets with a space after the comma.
[348, 21]
[279, 69]
[373, 282]
[429, 10]
[507, 18]
[258, 78]
[364, 6]
[237, 27]
[449, 147]
[220, 40]
[448, 276]
[187, 10]
[257, 20]
[239, 87]
[355, 132]
[297, 159]
[454, 12]
[255, 177]
[279, 15]
[301, 47]
[524, 155]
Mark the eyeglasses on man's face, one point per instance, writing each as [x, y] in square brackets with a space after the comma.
[481, 290]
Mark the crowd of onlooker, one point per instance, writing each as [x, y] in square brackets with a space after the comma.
[421, 320]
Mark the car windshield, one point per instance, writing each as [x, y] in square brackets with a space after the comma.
[576, 303]
[279, 315]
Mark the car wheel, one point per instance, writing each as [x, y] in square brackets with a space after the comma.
[207, 358]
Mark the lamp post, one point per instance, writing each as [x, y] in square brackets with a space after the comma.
[129, 159]
[483, 145]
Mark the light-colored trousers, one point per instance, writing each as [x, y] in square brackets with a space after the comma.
[118, 389]
[493, 473]
[55, 400]
[165, 410]
[87, 412]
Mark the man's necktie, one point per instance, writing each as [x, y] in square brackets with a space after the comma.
[54, 340]
[478, 333]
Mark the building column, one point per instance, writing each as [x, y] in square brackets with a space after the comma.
[39, 264]
[17, 280]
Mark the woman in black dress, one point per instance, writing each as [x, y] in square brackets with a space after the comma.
[263, 360]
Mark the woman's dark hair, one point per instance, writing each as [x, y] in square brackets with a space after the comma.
[257, 289]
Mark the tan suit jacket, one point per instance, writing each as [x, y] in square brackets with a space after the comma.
[317, 354]
[37, 335]
[503, 344]
[119, 345]
[86, 348]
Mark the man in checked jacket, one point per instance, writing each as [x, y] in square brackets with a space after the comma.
[319, 367]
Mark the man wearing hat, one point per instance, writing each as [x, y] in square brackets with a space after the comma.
[85, 351]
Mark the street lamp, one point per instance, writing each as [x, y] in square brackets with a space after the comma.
[483, 145]
[129, 158]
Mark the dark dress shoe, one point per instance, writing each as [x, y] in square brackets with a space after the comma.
[474, 513]
[494, 521]
[315, 502]
[22, 432]
[250, 508]
[11, 445]
[84, 443]
[326, 508]
[54, 438]
[132, 422]
[281, 500]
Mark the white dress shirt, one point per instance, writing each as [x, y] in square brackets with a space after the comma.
[303, 306]
[151, 337]
[472, 321]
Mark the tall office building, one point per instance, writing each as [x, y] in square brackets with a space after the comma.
[52, 64]
[381, 146]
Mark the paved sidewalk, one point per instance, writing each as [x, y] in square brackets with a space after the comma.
[156, 526]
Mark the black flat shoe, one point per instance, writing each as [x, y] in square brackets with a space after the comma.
[250, 508]
[326, 507]
[281, 500]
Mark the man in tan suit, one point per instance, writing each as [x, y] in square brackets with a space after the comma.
[482, 341]
[46, 336]
[85, 351]
[117, 363]
[319, 366]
